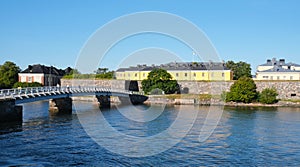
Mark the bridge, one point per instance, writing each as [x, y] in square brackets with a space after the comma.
[59, 98]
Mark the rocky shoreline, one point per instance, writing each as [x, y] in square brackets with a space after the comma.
[183, 101]
[187, 101]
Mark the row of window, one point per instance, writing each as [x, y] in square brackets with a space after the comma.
[177, 75]
[195, 75]
[278, 77]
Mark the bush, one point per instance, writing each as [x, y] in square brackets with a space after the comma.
[224, 95]
[160, 79]
[25, 84]
[268, 96]
[107, 75]
[243, 90]
[156, 91]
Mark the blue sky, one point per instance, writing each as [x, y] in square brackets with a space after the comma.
[52, 32]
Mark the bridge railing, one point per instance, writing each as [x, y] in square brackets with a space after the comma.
[38, 91]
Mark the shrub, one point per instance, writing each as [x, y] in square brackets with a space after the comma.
[25, 84]
[243, 90]
[268, 96]
[160, 79]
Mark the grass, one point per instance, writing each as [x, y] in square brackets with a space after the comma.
[188, 96]
[291, 100]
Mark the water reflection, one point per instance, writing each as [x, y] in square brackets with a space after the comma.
[244, 136]
[10, 127]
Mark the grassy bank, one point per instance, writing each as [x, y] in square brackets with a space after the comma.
[188, 96]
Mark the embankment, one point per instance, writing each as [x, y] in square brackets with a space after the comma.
[285, 89]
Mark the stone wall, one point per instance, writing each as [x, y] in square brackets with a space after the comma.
[10, 112]
[116, 84]
[285, 89]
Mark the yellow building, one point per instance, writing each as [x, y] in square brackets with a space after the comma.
[180, 71]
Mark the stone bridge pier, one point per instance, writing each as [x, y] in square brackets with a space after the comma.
[10, 112]
[104, 101]
[133, 99]
[60, 106]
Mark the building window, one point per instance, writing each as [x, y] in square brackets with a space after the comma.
[185, 74]
[203, 74]
[144, 74]
[212, 74]
[223, 74]
[278, 78]
[194, 74]
[176, 74]
[271, 77]
[291, 77]
[129, 75]
[135, 74]
[29, 79]
[265, 77]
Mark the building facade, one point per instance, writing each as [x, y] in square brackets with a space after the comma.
[47, 76]
[180, 71]
[278, 70]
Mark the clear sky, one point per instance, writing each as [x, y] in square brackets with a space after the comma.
[52, 32]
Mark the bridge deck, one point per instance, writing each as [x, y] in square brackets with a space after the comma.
[25, 95]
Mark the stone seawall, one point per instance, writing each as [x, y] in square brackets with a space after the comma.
[285, 89]
[116, 84]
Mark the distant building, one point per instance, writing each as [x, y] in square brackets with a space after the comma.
[47, 76]
[278, 70]
[191, 71]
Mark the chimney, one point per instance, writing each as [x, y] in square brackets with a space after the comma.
[274, 62]
[30, 68]
[281, 61]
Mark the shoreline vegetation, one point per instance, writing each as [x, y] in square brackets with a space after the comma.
[206, 99]
[196, 99]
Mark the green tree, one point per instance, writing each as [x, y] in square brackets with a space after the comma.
[8, 74]
[239, 69]
[101, 70]
[26, 84]
[106, 75]
[268, 96]
[74, 71]
[243, 90]
[75, 74]
[160, 79]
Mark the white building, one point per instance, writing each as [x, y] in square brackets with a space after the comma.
[278, 70]
[47, 76]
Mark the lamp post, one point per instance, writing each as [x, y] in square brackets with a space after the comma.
[194, 53]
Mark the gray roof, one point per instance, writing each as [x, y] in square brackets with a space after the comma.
[121, 69]
[38, 68]
[280, 62]
[292, 64]
[174, 66]
[279, 69]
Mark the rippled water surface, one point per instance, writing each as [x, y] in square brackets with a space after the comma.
[244, 137]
